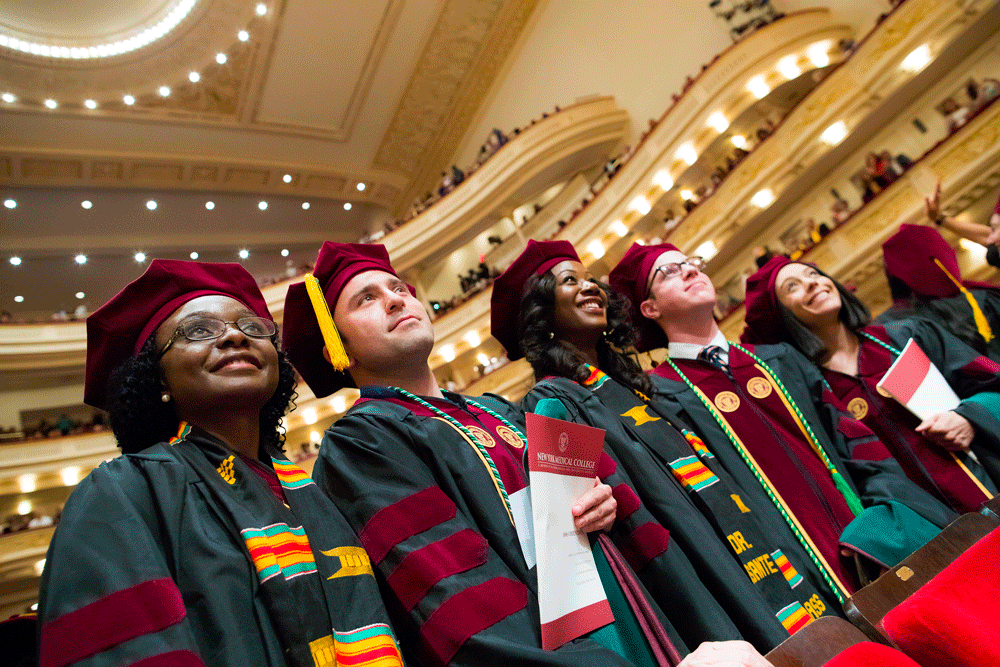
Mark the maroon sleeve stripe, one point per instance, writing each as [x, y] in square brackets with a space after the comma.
[606, 466]
[982, 366]
[852, 428]
[140, 610]
[628, 502]
[171, 659]
[466, 613]
[405, 518]
[428, 565]
[644, 544]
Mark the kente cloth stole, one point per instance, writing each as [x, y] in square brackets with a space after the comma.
[316, 581]
[794, 600]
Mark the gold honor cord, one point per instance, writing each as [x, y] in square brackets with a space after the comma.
[334, 346]
[965, 469]
[822, 565]
[982, 325]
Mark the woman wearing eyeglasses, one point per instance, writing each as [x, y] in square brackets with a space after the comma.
[202, 544]
[572, 330]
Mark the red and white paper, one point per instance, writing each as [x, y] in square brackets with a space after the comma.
[918, 384]
[562, 466]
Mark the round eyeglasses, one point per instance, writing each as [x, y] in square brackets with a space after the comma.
[674, 269]
[208, 328]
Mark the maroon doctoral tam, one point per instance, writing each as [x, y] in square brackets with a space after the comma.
[764, 322]
[631, 278]
[508, 289]
[910, 254]
[118, 330]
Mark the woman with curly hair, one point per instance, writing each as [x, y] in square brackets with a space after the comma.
[203, 544]
[575, 331]
[800, 304]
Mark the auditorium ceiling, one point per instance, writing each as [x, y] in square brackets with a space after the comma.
[351, 108]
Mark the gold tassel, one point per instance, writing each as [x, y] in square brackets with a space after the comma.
[977, 313]
[334, 346]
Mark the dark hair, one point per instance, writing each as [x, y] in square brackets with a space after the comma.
[140, 419]
[854, 314]
[548, 356]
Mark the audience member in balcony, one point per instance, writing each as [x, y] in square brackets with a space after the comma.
[840, 210]
[926, 283]
[424, 476]
[570, 327]
[799, 304]
[954, 114]
[987, 235]
[763, 412]
[203, 544]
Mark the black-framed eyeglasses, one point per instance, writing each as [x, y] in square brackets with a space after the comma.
[674, 269]
[209, 328]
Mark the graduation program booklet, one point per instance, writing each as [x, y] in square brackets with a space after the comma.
[562, 465]
[918, 384]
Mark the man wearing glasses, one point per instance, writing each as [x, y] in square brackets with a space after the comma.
[762, 414]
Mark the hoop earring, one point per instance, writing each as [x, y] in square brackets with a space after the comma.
[165, 397]
[552, 335]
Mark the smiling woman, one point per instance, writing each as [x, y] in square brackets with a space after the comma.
[203, 544]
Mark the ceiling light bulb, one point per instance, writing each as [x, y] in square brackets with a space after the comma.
[51, 104]
[789, 67]
[261, 9]
[472, 338]
[619, 228]
[151, 204]
[19, 299]
[8, 98]
[758, 87]
[483, 359]
[596, 249]
[361, 187]
[447, 352]
[10, 203]
[193, 255]
[763, 198]
[244, 253]
[834, 134]
[718, 121]
[738, 140]
[315, 436]
[243, 35]
[305, 206]
[310, 416]
[818, 53]
[687, 153]
[164, 91]
[70, 475]
[687, 195]
[663, 180]
[24, 507]
[28, 482]
[706, 250]
[339, 403]
[641, 205]
[80, 295]
[140, 257]
[90, 104]
[284, 252]
[194, 77]
[80, 259]
[15, 261]
[347, 206]
[917, 59]
[210, 205]
[40, 565]
[287, 178]
[129, 100]
[87, 204]
[262, 205]
[220, 58]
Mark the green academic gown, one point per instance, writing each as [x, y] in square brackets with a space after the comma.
[183, 555]
[431, 516]
[781, 452]
[742, 549]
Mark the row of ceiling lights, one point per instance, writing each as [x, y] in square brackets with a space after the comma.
[111, 50]
[662, 181]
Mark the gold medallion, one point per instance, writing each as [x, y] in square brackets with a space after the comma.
[758, 387]
[858, 407]
[510, 437]
[484, 438]
[882, 392]
[727, 401]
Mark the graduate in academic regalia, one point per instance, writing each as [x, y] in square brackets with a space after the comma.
[546, 306]
[761, 412]
[799, 304]
[426, 478]
[203, 544]
[926, 284]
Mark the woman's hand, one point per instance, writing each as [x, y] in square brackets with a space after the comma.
[595, 510]
[933, 203]
[948, 429]
[725, 654]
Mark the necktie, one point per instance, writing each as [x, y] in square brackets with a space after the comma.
[712, 355]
